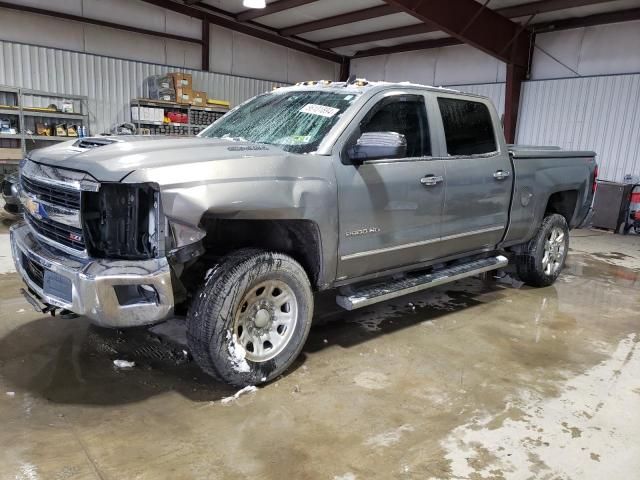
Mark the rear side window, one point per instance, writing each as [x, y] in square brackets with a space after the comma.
[468, 128]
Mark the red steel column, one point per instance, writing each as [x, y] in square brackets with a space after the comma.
[515, 76]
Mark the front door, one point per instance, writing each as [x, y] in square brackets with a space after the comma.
[478, 177]
[390, 208]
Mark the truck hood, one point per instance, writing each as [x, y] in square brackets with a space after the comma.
[113, 158]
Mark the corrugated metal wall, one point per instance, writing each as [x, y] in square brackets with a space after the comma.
[109, 83]
[495, 91]
[594, 113]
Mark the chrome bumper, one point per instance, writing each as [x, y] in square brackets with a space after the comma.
[88, 286]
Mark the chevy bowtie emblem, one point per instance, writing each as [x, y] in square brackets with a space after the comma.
[36, 208]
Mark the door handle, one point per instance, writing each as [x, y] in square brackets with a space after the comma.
[431, 180]
[501, 175]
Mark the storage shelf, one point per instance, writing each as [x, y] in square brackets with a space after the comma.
[171, 124]
[189, 127]
[211, 109]
[25, 108]
[32, 113]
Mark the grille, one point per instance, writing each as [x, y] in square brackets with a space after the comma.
[34, 271]
[58, 232]
[56, 195]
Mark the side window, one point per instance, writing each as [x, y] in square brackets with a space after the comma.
[468, 128]
[405, 115]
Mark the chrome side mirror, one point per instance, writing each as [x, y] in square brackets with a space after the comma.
[378, 145]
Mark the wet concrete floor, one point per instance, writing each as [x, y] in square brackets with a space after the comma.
[476, 380]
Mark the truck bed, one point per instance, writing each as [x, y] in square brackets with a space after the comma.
[539, 173]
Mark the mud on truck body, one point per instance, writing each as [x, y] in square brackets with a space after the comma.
[375, 190]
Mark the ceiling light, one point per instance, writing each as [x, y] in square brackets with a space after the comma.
[254, 3]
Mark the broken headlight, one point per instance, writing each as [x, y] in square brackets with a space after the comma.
[122, 220]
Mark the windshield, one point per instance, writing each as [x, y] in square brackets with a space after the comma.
[294, 121]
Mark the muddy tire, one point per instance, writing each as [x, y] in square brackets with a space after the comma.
[250, 320]
[542, 258]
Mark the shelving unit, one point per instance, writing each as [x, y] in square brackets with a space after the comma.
[20, 106]
[174, 128]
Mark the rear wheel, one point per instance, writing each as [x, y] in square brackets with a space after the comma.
[251, 318]
[543, 257]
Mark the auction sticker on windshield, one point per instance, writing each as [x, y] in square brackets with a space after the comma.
[321, 110]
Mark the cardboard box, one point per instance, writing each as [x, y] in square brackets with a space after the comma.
[183, 80]
[158, 115]
[135, 114]
[184, 95]
[199, 99]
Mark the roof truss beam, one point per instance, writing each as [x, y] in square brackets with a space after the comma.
[589, 21]
[527, 9]
[474, 24]
[344, 19]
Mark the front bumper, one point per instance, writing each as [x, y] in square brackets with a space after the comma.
[88, 286]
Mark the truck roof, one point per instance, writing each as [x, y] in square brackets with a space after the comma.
[362, 85]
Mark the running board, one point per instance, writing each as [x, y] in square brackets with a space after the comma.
[365, 295]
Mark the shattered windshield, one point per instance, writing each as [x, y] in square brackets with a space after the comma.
[294, 121]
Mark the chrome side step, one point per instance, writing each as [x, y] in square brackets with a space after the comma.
[358, 297]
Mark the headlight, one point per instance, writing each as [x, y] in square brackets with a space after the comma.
[122, 221]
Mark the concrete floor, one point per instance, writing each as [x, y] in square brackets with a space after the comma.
[471, 381]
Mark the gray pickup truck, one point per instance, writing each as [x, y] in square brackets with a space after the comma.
[374, 190]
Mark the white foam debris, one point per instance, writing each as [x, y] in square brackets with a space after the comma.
[372, 380]
[346, 476]
[389, 438]
[238, 394]
[11, 394]
[28, 471]
[237, 354]
[20, 311]
[124, 364]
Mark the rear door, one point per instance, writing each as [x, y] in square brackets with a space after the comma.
[390, 208]
[478, 176]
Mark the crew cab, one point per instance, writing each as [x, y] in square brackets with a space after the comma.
[372, 190]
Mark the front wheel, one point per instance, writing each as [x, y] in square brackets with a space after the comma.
[250, 320]
[543, 257]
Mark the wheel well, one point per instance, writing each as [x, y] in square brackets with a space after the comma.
[299, 239]
[563, 203]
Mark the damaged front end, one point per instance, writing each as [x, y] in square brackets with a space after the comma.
[94, 249]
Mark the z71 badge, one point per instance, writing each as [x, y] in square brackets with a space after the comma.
[362, 231]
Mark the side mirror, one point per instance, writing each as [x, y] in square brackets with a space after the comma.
[377, 145]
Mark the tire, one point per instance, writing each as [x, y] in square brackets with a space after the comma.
[251, 318]
[543, 257]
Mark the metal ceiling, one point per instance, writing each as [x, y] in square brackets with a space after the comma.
[353, 27]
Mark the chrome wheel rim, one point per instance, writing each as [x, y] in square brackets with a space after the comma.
[555, 249]
[265, 320]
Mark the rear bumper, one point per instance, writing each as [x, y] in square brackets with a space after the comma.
[99, 289]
